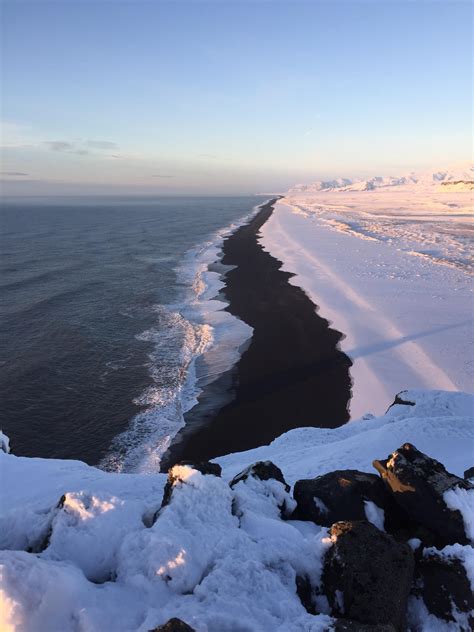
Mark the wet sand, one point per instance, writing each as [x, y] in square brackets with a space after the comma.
[292, 374]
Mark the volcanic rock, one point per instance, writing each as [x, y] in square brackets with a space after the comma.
[342, 495]
[418, 483]
[367, 575]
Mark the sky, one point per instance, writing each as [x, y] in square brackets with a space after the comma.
[224, 97]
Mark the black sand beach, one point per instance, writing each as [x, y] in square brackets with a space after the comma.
[292, 373]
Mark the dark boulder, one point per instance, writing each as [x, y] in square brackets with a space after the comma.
[263, 470]
[418, 483]
[174, 625]
[441, 581]
[205, 467]
[367, 575]
[341, 495]
[344, 625]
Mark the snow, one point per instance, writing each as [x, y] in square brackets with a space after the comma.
[320, 505]
[463, 501]
[221, 559]
[391, 269]
[374, 514]
[4, 443]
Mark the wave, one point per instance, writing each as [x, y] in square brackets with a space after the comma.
[194, 342]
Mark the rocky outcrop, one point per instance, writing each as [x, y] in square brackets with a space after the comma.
[367, 575]
[343, 495]
[417, 484]
[174, 625]
[441, 581]
[370, 570]
[264, 471]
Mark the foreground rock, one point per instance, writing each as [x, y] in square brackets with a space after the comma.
[367, 575]
[173, 625]
[418, 484]
[345, 495]
[264, 471]
[441, 581]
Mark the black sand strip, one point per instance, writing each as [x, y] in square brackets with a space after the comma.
[291, 375]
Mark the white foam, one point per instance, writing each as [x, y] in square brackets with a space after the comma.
[203, 330]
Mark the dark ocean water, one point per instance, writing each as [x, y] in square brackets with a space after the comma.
[104, 307]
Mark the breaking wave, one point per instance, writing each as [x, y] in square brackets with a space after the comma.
[195, 328]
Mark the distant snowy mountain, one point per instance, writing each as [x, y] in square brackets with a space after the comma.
[460, 177]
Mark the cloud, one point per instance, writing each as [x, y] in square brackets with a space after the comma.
[13, 173]
[81, 148]
[59, 145]
[101, 144]
[158, 175]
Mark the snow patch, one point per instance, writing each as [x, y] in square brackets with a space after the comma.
[374, 514]
[463, 501]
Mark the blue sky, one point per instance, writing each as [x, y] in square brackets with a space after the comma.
[230, 97]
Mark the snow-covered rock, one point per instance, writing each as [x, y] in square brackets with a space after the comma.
[219, 558]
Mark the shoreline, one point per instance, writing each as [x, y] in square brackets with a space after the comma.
[291, 373]
[407, 320]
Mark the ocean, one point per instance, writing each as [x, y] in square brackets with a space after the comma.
[111, 322]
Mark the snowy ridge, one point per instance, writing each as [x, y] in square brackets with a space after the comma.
[461, 176]
[221, 559]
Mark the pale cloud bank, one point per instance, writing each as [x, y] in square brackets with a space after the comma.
[81, 148]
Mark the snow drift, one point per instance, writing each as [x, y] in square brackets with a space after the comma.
[90, 550]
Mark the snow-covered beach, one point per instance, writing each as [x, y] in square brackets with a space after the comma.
[388, 262]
